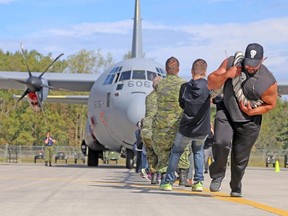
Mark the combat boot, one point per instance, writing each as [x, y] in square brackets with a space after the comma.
[50, 164]
[46, 163]
[154, 178]
[182, 177]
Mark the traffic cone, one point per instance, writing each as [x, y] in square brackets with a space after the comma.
[277, 167]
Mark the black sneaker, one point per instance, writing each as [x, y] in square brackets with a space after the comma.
[215, 184]
[235, 194]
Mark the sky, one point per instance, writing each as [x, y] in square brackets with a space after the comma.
[186, 29]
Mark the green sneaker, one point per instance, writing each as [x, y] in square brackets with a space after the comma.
[198, 186]
[166, 187]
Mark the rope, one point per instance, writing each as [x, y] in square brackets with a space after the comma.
[236, 82]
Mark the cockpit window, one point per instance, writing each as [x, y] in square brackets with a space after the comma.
[125, 75]
[116, 69]
[139, 74]
[151, 75]
[109, 79]
[115, 75]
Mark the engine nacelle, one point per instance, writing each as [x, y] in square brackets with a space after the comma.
[36, 98]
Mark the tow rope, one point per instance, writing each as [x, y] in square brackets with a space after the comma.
[237, 85]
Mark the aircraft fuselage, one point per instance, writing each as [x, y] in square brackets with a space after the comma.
[117, 101]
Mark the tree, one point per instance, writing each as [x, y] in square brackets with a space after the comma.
[273, 134]
[88, 62]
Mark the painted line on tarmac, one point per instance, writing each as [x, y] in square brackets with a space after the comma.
[215, 195]
[207, 193]
[226, 197]
[241, 200]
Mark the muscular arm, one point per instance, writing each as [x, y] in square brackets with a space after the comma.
[217, 78]
[270, 100]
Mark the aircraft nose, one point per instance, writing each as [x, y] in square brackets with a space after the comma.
[136, 109]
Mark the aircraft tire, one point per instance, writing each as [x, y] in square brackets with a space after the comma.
[129, 159]
[93, 158]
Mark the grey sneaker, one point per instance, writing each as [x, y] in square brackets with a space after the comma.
[215, 184]
[236, 194]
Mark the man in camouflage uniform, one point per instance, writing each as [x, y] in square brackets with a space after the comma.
[146, 132]
[166, 121]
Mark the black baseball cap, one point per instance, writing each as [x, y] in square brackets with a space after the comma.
[253, 55]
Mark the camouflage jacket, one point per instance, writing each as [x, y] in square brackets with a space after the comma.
[168, 110]
[151, 109]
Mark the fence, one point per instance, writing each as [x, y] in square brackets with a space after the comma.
[19, 153]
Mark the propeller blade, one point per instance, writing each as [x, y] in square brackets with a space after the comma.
[46, 86]
[54, 88]
[23, 95]
[25, 60]
[51, 64]
[20, 81]
[39, 101]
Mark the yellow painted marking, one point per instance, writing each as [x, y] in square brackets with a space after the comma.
[226, 197]
[205, 193]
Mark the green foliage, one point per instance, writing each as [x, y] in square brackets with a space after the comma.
[273, 134]
[20, 125]
[35, 61]
[88, 62]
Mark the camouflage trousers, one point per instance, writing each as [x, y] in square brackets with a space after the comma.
[49, 153]
[162, 144]
[152, 157]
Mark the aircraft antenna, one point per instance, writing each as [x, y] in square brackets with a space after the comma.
[137, 47]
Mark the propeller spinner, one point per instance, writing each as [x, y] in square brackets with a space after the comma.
[34, 83]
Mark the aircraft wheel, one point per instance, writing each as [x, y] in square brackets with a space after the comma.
[129, 158]
[93, 157]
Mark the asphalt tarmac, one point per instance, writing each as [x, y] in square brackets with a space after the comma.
[109, 190]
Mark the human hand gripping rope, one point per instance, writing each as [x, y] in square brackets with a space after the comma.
[236, 82]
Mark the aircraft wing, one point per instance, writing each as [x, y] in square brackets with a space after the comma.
[66, 99]
[283, 88]
[65, 81]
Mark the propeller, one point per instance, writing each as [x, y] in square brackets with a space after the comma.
[34, 83]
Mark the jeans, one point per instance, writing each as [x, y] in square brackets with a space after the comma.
[144, 162]
[191, 160]
[180, 143]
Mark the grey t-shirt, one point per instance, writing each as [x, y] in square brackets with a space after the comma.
[253, 87]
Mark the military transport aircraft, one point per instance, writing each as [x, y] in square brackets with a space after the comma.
[116, 101]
